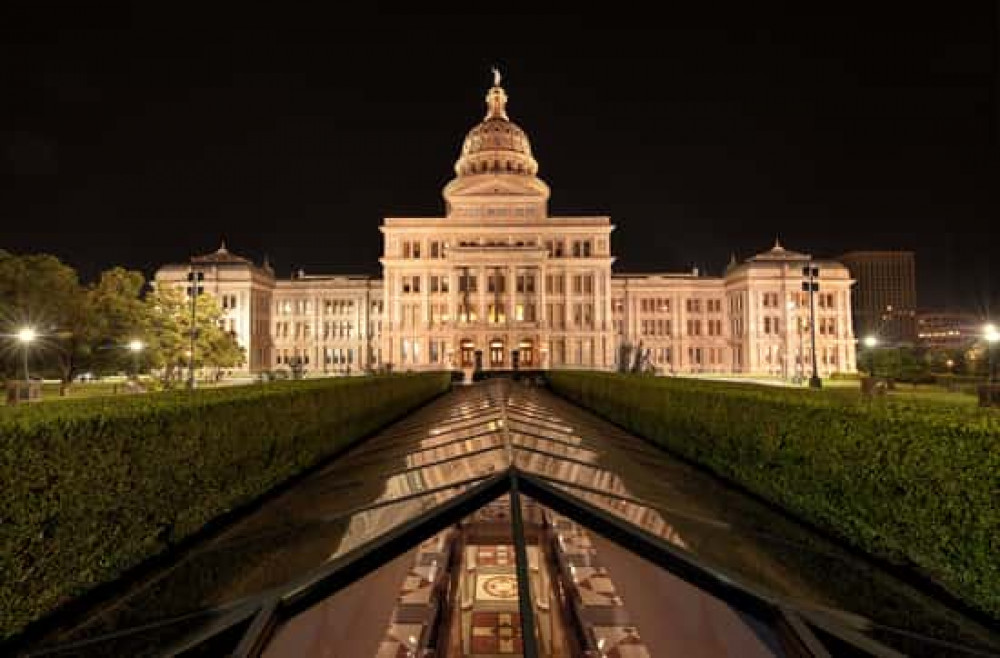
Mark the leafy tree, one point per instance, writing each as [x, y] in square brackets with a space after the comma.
[168, 333]
[117, 316]
[38, 290]
[79, 327]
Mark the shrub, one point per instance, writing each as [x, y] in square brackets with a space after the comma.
[912, 482]
[845, 376]
[91, 487]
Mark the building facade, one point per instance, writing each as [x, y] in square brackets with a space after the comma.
[948, 330]
[498, 283]
[885, 297]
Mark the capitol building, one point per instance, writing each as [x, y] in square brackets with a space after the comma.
[498, 283]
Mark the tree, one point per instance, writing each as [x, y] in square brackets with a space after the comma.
[116, 315]
[168, 333]
[79, 326]
[39, 291]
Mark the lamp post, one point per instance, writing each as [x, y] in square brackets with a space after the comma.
[195, 279]
[992, 336]
[810, 285]
[26, 336]
[871, 342]
[135, 346]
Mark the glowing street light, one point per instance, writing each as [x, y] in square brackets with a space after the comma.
[992, 336]
[26, 336]
[136, 346]
[871, 342]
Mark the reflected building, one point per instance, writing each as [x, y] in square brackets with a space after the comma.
[499, 283]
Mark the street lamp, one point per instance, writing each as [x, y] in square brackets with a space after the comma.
[26, 336]
[871, 342]
[810, 285]
[135, 346]
[992, 336]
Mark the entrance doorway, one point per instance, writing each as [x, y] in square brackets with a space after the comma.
[468, 353]
[526, 352]
[496, 353]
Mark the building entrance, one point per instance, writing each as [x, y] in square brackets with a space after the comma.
[526, 354]
[468, 353]
[496, 354]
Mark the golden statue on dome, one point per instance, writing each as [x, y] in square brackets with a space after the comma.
[496, 77]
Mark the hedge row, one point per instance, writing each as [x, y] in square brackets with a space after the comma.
[918, 485]
[92, 487]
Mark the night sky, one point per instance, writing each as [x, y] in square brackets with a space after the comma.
[141, 136]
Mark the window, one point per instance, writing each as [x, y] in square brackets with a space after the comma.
[410, 284]
[495, 283]
[467, 283]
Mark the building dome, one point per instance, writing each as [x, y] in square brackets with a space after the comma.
[497, 145]
[496, 158]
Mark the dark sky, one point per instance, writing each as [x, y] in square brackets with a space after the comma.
[138, 136]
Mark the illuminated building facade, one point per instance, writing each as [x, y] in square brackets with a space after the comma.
[498, 283]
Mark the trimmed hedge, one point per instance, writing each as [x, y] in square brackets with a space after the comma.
[92, 487]
[915, 484]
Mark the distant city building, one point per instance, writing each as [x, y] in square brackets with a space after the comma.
[498, 283]
[947, 330]
[885, 296]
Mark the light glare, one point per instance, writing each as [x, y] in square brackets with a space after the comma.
[26, 335]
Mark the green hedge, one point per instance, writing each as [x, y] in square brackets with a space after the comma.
[92, 487]
[916, 484]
